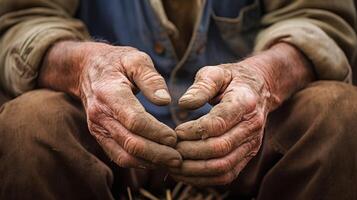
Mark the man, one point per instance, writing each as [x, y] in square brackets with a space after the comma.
[277, 129]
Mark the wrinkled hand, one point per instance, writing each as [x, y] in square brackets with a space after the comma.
[129, 135]
[217, 146]
[105, 78]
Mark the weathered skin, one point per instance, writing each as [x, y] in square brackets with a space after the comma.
[217, 146]
[214, 148]
[104, 77]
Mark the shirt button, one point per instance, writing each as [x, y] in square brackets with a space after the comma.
[159, 48]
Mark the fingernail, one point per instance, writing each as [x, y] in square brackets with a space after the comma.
[186, 97]
[162, 94]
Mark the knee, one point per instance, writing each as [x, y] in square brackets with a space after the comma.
[331, 100]
[38, 110]
[36, 118]
[323, 113]
[38, 145]
[332, 130]
[334, 107]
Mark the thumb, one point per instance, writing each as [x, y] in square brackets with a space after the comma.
[209, 81]
[153, 86]
[142, 72]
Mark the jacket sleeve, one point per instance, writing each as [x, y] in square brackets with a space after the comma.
[27, 29]
[322, 29]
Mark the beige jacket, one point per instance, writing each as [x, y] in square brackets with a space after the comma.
[322, 29]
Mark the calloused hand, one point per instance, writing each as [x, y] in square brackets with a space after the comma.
[106, 80]
[217, 146]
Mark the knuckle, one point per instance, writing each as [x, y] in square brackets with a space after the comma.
[202, 71]
[249, 100]
[141, 58]
[131, 146]
[92, 109]
[136, 58]
[213, 126]
[122, 160]
[153, 77]
[93, 112]
[136, 122]
[208, 70]
[223, 166]
[142, 55]
[100, 135]
[219, 123]
[223, 147]
[252, 154]
[99, 91]
[127, 49]
[253, 145]
[256, 123]
[230, 177]
[227, 178]
[157, 158]
[214, 75]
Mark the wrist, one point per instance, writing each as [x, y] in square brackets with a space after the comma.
[292, 70]
[284, 70]
[62, 67]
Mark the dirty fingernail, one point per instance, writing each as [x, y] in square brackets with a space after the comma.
[162, 94]
[185, 98]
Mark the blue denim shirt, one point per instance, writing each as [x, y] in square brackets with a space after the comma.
[224, 33]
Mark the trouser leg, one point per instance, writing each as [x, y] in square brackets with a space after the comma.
[45, 150]
[309, 149]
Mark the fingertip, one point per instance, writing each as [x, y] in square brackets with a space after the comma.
[190, 101]
[163, 95]
[180, 133]
[181, 130]
[175, 162]
[186, 98]
[184, 148]
[187, 131]
[169, 140]
[159, 97]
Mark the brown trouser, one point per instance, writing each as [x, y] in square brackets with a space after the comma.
[309, 149]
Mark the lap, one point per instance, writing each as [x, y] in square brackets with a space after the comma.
[45, 142]
[315, 123]
[312, 132]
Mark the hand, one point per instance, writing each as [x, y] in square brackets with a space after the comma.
[104, 80]
[217, 146]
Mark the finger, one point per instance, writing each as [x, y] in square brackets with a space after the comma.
[141, 70]
[141, 147]
[122, 104]
[209, 81]
[121, 157]
[219, 166]
[237, 102]
[223, 179]
[220, 146]
[115, 152]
